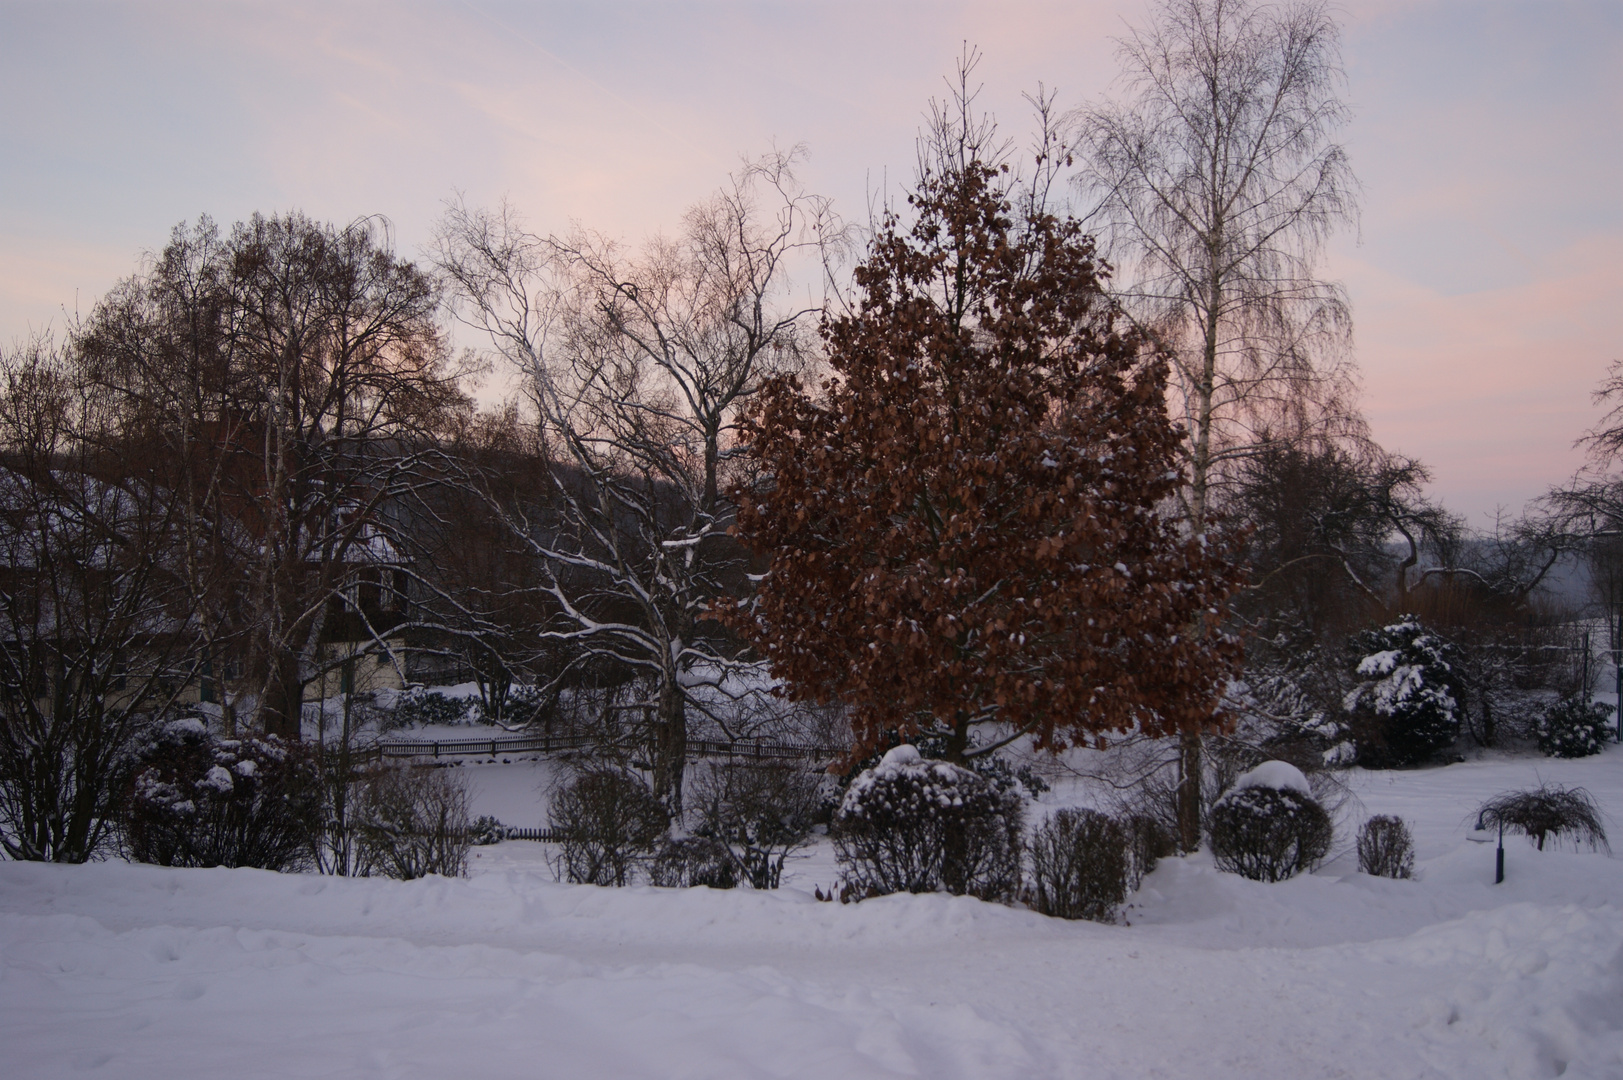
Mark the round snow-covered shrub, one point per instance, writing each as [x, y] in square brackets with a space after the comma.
[1280, 775]
[1573, 727]
[1268, 826]
[1407, 705]
[1386, 847]
[1080, 865]
[201, 800]
[912, 825]
[610, 824]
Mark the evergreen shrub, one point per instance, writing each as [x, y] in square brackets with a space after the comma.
[420, 707]
[487, 830]
[1573, 728]
[200, 800]
[1268, 833]
[912, 825]
[1407, 707]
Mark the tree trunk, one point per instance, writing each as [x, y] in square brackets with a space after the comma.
[958, 741]
[670, 744]
[1189, 769]
[282, 710]
[1190, 764]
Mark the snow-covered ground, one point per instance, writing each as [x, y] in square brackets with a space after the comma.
[138, 972]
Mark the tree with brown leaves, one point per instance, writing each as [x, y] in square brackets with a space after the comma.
[962, 527]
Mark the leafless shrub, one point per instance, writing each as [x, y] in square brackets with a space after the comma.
[1079, 865]
[412, 821]
[611, 823]
[1386, 847]
[1148, 842]
[1547, 810]
[760, 814]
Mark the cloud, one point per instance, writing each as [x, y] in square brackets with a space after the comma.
[1489, 136]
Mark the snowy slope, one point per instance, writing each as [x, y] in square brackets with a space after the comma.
[136, 972]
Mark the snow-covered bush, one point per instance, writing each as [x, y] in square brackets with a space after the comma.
[912, 825]
[421, 707]
[1408, 703]
[412, 821]
[610, 823]
[759, 813]
[487, 830]
[1385, 847]
[200, 800]
[1268, 826]
[932, 745]
[1080, 865]
[1574, 727]
[688, 861]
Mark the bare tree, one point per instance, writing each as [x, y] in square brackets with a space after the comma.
[636, 366]
[297, 370]
[96, 624]
[1217, 183]
[1587, 511]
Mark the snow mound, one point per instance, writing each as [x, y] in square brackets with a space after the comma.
[900, 757]
[148, 973]
[1279, 775]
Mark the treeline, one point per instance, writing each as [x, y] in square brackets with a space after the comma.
[1006, 476]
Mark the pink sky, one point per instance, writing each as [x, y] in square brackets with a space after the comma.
[1487, 286]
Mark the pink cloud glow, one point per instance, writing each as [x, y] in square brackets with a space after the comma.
[1489, 137]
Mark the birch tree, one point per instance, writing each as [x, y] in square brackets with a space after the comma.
[1217, 182]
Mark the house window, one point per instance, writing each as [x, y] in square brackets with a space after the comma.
[395, 597]
[366, 589]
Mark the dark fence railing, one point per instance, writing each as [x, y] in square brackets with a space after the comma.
[510, 744]
[550, 836]
[441, 749]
